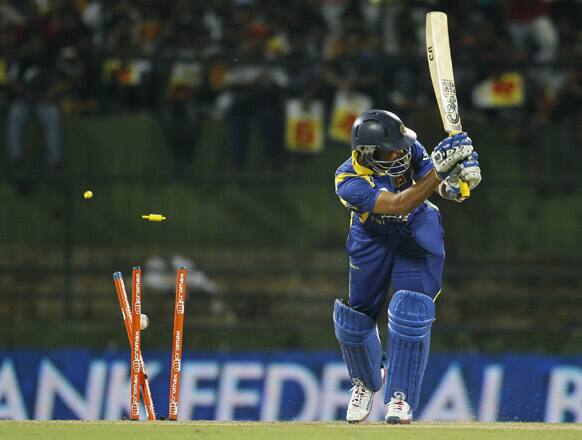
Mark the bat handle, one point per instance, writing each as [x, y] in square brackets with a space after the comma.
[463, 186]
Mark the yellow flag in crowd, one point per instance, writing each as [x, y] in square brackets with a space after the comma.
[126, 73]
[506, 90]
[185, 77]
[3, 72]
[347, 107]
[304, 127]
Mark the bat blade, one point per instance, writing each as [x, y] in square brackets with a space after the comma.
[440, 64]
[441, 70]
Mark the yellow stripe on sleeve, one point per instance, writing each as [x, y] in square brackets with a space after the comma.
[343, 176]
[346, 204]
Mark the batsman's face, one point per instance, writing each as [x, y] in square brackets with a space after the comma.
[392, 155]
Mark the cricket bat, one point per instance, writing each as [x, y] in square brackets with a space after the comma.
[438, 52]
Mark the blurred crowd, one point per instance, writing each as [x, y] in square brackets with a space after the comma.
[240, 60]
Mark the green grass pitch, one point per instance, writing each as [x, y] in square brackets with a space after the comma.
[74, 430]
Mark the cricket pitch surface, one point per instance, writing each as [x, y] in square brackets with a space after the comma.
[127, 430]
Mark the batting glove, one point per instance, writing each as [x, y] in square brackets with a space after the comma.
[449, 152]
[469, 171]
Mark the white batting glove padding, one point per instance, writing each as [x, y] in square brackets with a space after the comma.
[449, 152]
[471, 173]
[468, 171]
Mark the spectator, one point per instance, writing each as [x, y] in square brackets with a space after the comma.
[567, 114]
[530, 23]
[122, 24]
[255, 88]
[92, 16]
[356, 67]
[182, 108]
[127, 65]
[72, 45]
[37, 86]
[305, 70]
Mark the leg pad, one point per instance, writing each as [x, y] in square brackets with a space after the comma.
[410, 318]
[360, 344]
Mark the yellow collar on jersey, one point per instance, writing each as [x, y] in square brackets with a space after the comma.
[360, 169]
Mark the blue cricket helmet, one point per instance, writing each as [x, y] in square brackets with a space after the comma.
[379, 131]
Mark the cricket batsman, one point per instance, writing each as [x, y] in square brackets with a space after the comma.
[395, 238]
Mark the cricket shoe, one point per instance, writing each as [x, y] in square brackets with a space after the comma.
[360, 404]
[398, 412]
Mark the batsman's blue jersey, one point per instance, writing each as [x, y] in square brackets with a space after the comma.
[405, 251]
